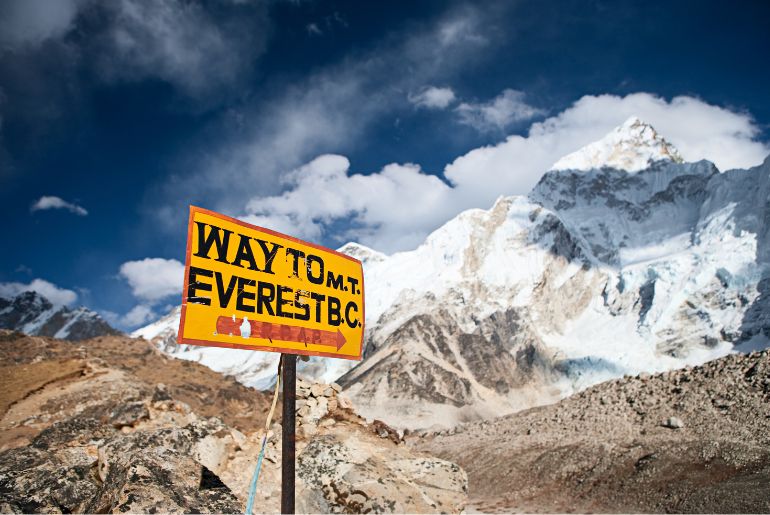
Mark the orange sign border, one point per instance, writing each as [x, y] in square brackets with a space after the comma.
[269, 348]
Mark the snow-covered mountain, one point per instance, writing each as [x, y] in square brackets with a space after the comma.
[251, 368]
[257, 369]
[623, 259]
[31, 313]
[632, 147]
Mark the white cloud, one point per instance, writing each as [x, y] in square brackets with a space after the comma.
[152, 279]
[505, 109]
[52, 202]
[31, 22]
[327, 112]
[326, 24]
[313, 29]
[395, 208]
[139, 315]
[433, 98]
[698, 129]
[201, 49]
[57, 296]
[390, 209]
[180, 42]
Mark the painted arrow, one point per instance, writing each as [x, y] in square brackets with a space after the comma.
[282, 332]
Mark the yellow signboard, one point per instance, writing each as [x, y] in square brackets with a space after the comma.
[247, 287]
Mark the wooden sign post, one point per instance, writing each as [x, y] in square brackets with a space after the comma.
[289, 436]
[246, 287]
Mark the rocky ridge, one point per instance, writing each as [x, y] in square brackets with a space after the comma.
[91, 428]
[689, 440]
[31, 313]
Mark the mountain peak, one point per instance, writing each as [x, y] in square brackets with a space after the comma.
[632, 146]
[32, 313]
[362, 253]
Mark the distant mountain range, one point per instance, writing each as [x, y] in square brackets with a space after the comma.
[623, 259]
[31, 313]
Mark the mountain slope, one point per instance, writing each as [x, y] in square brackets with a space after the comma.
[252, 368]
[623, 259]
[688, 441]
[31, 313]
[596, 274]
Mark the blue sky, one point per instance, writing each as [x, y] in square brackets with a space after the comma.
[332, 121]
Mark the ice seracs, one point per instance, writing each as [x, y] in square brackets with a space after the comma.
[631, 147]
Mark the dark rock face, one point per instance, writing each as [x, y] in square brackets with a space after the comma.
[87, 463]
[22, 309]
[430, 359]
[31, 313]
[583, 198]
[756, 321]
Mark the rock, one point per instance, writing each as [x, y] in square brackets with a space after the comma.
[317, 390]
[328, 392]
[129, 414]
[353, 471]
[271, 454]
[238, 437]
[308, 430]
[161, 393]
[673, 423]
[159, 478]
[337, 388]
[141, 472]
[315, 409]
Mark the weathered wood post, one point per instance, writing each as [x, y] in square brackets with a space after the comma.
[289, 433]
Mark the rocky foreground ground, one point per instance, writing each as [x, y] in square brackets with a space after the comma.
[112, 425]
[690, 440]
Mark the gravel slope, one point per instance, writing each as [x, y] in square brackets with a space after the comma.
[690, 440]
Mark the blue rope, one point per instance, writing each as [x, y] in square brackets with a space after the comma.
[253, 487]
[255, 477]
